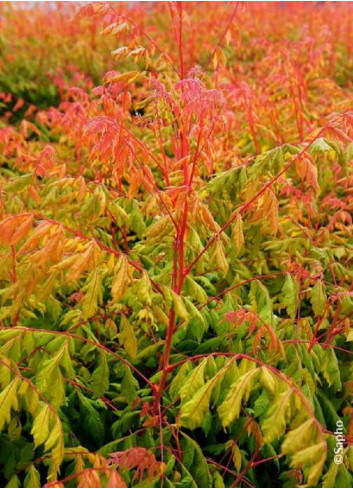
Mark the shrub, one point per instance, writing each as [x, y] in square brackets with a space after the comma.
[176, 249]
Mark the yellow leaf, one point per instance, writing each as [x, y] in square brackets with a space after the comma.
[194, 381]
[128, 77]
[115, 28]
[237, 234]
[40, 426]
[120, 52]
[239, 392]
[219, 258]
[236, 457]
[122, 277]
[55, 441]
[144, 290]
[301, 436]
[178, 306]
[8, 401]
[127, 337]
[279, 414]
[194, 411]
[314, 457]
[93, 294]
[268, 380]
[270, 209]
[32, 478]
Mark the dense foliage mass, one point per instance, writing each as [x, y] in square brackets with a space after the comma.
[176, 244]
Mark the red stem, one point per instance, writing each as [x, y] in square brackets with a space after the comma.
[223, 35]
[180, 39]
[91, 342]
[253, 199]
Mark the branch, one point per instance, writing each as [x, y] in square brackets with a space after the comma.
[262, 191]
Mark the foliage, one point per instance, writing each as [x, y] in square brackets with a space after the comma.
[175, 245]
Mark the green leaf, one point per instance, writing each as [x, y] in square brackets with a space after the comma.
[195, 290]
[129, 386]
[137, 223]
[289, 297]
[14, 482]
[272, 161]
[100, 377]
[50, 380]
[320, 146]
[331, 370]
[329, 479]
[32, 478]
[218, 480]
[178, 381]
[195, 462]
[261, 301]
[92, 419]
[47, 430]
[344, 478]
[318, 298]
[194, 381]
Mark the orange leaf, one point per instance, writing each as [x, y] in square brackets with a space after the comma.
[115, 480]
